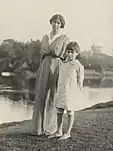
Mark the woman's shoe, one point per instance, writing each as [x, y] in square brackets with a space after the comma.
[46, 133]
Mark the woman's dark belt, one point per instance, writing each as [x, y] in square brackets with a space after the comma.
[51, 55]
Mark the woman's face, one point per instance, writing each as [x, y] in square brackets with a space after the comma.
[71, 54]
[56, 24]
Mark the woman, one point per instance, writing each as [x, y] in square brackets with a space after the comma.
[52, 51]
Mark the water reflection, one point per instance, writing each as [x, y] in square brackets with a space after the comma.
[16, 98]
[105, 82]
[13, 111]
[17, 88]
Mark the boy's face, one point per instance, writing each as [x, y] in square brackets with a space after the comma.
[71, 54]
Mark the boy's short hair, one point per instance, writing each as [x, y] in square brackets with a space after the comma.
[73, 46]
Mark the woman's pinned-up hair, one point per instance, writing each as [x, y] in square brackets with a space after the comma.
[58, 17]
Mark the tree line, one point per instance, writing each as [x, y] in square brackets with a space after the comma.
[13, 54]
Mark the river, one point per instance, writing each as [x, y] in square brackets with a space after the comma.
[17, 95]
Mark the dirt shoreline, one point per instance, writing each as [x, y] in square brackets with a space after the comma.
[92, 131]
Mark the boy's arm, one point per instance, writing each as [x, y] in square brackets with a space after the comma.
[81, 76]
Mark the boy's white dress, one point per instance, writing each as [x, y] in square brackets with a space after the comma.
[68, 95]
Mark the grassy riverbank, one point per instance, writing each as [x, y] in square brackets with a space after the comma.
[92, 131]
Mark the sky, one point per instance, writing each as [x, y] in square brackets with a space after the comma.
[87, 21]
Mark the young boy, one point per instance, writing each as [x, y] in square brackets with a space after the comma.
[68, 95]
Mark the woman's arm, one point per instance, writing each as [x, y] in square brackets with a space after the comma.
[44, 46]
[60, 47]
[63, 55]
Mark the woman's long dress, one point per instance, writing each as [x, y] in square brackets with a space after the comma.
[46, 83]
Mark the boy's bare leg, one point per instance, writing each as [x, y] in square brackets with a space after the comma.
[60, 123]
[70, 125]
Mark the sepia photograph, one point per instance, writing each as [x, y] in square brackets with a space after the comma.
[56, 75]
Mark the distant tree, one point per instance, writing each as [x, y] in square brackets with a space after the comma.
[13, 54]
[96, 49]
[96, 60]
[18, 52]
